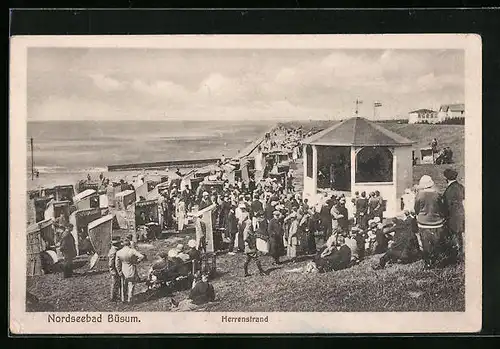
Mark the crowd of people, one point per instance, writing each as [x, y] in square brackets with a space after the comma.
[283, 137]
[267, 219]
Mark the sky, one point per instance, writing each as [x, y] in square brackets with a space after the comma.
[232, 84]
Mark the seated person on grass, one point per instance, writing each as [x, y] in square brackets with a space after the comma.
[332, 257]
[202, 292]
[404, 247]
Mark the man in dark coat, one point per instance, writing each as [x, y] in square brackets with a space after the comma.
[256, 206]
[225, 207]
[251, 248]
[275, 232]
[326, 220]
[362, 211]
[454, 214]
[251, 185]
[340, 214]
[115, 290]
[270, 208]
[68, 249]
[232, 228]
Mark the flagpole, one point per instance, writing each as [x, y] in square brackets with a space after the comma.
[358, 102]
[376, 105]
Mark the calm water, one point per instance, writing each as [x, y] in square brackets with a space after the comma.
[83, 146]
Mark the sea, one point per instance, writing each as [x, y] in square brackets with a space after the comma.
[75, 148]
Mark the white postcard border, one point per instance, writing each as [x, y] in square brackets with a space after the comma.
[22, 322]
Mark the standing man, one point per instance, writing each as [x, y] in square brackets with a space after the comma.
[255, 206]
[127, 259]
[373, 206]
[115, 291]
[453, 207]
[434, 145]
[60, 225]
[232, 229]
[326, 219]
[332, 177]
[225, 207]
[251, 248]
[343, 219]
[275, 232]
[201, 232]
[338, 216]
[362, 211]
[68, 249]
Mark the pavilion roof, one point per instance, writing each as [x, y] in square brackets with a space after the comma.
[357, 131]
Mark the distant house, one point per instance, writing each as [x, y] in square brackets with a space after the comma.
[449, 111]
[422, 115]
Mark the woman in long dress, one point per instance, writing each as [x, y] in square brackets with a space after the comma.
[292, 241]
[181, 215]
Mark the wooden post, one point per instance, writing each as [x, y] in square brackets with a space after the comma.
[32, 160]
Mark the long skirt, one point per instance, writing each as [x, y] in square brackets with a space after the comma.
[311, 243]
[291, 250]
[276, 246]
[181, 220]
[262, 246]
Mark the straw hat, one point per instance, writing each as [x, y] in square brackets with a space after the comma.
[192, 243]
[172, 253]
[425, 182]
[179, 247]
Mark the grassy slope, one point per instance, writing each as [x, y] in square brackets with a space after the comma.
[397, 288]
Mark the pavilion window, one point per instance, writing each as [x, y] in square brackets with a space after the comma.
[374, 164]
[309, 161]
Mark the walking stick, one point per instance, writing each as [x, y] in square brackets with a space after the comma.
[122, 288]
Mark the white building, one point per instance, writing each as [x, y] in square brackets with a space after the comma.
[358, 155]
[449, 111]
[423, 116]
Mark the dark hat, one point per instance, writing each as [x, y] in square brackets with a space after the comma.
[115, 240]
[450, 174]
